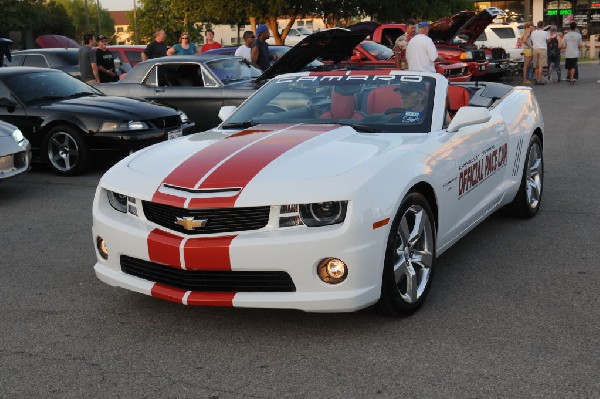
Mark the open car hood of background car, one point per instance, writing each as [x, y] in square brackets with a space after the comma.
[56, 41]
[335, 44]
[465, 24]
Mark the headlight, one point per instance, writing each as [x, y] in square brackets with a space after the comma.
[323, 213]
[184, 118]
[313, 215]
[117, 201]
[123, 126]
[466, 56]
[18, 136]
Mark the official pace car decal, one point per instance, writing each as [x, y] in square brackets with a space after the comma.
[228, 163]
[477, 169]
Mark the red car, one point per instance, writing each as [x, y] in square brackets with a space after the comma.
[453, 36]
[128, 53]
[374, 54]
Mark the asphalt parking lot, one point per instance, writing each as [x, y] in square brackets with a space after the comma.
[514, 309]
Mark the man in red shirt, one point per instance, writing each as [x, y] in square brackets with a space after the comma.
[210, 41]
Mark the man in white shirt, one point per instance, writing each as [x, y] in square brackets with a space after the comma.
[539, 41]
[245, 49]
[421, 52]
[572, 43]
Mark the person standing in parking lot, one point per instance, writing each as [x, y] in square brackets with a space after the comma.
[402, 43]
[210, 41]
[86, 58]
[539, 41]
[260, 49]
[572, 43]
[156, 48]
[245, 50]
[421, 53]
[554, 45]
[184, 47]
[105, 62]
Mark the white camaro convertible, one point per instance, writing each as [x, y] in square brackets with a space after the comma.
[325, 192]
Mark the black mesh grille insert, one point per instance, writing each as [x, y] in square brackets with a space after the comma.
[498, 53]
[215, 281]
[167, 122]
[218, 220]
[478, 55]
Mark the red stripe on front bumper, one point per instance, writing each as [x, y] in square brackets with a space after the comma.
[208, 253]
[163, 248]
[168, 293]
[211, 298]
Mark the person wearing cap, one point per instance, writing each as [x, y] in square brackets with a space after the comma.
[105, 62]
[210, 41]
[245, 50]
[554, 46]
[156, 48]
[421, 52]
[260, 48]
[86, 58]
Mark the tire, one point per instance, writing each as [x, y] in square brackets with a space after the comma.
[409, 258]
[65, 151]
[529, 197]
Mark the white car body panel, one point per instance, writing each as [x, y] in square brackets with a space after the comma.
[330, 162]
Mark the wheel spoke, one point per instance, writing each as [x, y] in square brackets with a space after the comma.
[412, 284]
[423, 259]
[415, 234]
[404, 231]
[400, 268]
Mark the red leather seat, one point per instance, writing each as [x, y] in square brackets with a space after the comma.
[458, 97]
[342, 107]
[383, 98]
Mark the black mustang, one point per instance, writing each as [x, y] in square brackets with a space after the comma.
[65, 119]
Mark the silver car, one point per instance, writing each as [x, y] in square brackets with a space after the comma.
[15, 151]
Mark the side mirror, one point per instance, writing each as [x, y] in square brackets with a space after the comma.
[226, 111]
[6, 103]
[467, 116]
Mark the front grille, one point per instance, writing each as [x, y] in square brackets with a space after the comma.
[478, 55]
[167, 122]
[498, 54]
[208, 281]
[218, 220]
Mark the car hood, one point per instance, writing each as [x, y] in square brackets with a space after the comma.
[266, 153]
[465, 24]
[334, 44]
[56, 41]
[114, 107]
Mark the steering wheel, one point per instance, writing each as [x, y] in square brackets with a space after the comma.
[395, 110]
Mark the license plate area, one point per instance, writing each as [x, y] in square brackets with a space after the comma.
[7, 163]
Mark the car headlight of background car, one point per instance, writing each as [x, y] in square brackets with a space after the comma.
[466, 56]
[17, 135]
[123, 126]
[313, 215]
[184, 118]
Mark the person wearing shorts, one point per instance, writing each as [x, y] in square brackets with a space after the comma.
[527, 53]
[572, 43]
[539, 41]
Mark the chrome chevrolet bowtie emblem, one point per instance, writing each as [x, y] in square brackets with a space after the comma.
[189, 223]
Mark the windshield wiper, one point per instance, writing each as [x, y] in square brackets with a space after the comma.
[361, 128]
[80, 94]
[239, 125]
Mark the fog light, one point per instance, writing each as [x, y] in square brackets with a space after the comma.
[102, 248]
[332, 271]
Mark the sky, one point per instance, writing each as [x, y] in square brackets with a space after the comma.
[116, 5]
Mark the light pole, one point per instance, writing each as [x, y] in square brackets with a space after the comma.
[135, 22]
[98, 5]
[87, 18]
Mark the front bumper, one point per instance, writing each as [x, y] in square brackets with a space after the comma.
[296, 251]
[499, 66]
[12, 165]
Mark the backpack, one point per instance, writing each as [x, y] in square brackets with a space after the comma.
[553, 49]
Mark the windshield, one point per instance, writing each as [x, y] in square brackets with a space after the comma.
[378, 103]
[303, 31]
[231, 70]
[379, 51]
[47, 85]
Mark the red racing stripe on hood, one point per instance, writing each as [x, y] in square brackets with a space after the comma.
[192, 170]
[240, 169]
[208, 253]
